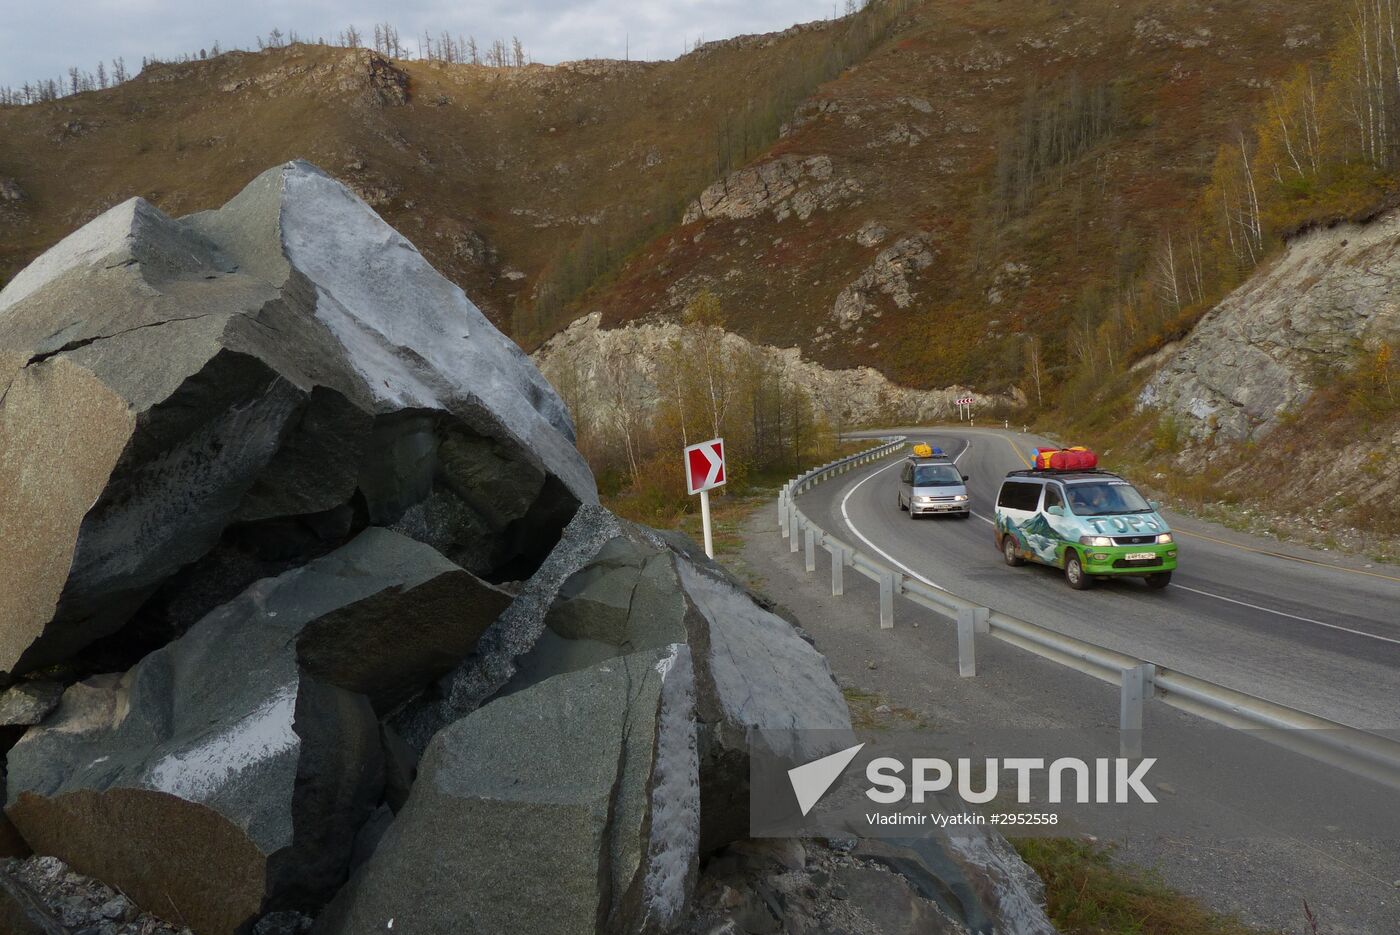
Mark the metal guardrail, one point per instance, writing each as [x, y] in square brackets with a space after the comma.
[1369, 754]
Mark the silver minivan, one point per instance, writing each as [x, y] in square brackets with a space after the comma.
[933, 486]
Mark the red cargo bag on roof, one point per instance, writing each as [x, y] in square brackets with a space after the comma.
[1065, 459]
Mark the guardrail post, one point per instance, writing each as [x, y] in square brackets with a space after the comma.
[1137, 687]
[810, 537]
[838, 571]
[886, 600]
[794, 527]
[971, 620]
[783, 511]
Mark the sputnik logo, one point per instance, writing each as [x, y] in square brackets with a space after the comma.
[812, 780]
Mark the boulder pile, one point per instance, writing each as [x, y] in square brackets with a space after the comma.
[311, 621]
[309, 610]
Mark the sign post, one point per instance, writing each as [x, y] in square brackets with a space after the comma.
[965, 403]
[704, 471]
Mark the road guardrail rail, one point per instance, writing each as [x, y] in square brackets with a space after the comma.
[1139, 680]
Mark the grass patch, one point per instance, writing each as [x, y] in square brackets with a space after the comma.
[1088, 894]
[873, 711]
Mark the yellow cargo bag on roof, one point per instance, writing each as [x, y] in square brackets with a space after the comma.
[922, 450]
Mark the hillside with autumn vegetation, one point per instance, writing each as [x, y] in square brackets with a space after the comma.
[1033, 203]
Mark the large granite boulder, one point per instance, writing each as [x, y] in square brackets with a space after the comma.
[620, 588]
[228, 773]
[568, 807]
[267, 378]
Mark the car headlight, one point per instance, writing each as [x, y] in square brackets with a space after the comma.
[923, 499]
[960, 497]
[1099, 541]
[1164, 538]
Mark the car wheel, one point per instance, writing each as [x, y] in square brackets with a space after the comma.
[899, 501]
[1159, 581]
[1075, 574]
[967, 515]
[1009, 552]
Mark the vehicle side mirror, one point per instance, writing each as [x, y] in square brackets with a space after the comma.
[1055, 510]
[965, 478]
[1154, 504]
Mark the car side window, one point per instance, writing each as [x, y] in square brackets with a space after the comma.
[1053, 497]
[1018, 496]
[907, 475]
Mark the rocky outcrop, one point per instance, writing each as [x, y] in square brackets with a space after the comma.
[10, 190]
[888, 275]
[1256, 356]
[786, 186]
[578, 359]
[246, 383]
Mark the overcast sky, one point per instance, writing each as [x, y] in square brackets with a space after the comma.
[42, 38]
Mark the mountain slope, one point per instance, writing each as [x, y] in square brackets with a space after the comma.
[979, 176]
[498, 174]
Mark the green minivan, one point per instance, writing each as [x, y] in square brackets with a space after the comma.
[1090, 523]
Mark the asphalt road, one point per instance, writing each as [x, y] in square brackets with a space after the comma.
[1304, 628]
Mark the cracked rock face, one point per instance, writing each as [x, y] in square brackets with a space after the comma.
[788, 185]
[583, 821]
[888, 275]
[256, 775]
[286, 366]
[1253, 358]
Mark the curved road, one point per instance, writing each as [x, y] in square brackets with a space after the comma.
[1299, 627]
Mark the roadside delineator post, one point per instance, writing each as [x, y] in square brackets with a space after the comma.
[1137, 687]
[886, 600]
[971, 621]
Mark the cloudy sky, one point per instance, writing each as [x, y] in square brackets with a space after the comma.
[42, 39]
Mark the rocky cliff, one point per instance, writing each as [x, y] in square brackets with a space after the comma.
[1263, 351]
[578, 360]
[309, 611]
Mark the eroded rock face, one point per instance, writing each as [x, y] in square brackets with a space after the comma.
[787, 185]
[250, 745]
[752, 670]
[569, 807]
[888, 275]
[1255, 356]
[287, 359]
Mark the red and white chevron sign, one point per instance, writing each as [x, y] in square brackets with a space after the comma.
[704, 466]
[966, 401]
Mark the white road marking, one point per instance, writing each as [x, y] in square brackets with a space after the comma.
[861, 536]
[1270, 610]
[967, 446]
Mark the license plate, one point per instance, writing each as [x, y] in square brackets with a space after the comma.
[1140, 556]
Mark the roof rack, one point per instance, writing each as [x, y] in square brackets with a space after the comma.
[1054, 472]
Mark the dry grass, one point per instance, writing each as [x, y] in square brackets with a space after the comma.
[1088, 894]
[551, 167]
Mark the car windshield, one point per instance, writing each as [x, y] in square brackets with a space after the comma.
[1106, 499]
[936, 475]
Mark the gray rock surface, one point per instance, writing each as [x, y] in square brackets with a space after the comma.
[58, 901]
[753, 671]
[1258, 354]
[787, 185]
[28, 703]
[571, 806]
[255, 775]
[515, 633]
[286, 356]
